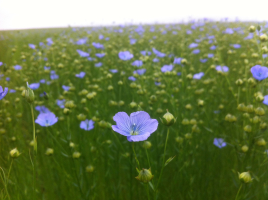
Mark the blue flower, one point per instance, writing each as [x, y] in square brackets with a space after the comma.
[32, 46]
[265, 101]
[237, 46]
[259, 72]
[113, 70]
[222, 68]
[87, 125]
[132, 78]
[12, 91]
[155, 60]
[61, 103]
[82, 53]
[125, 55]
[34, 86]
[100, 55]
[101, 37]
[210, 55]
[137, 63]
[203, 60]
[49, 41]
[158, 53]
[46, 68]
[42, 109]
[98, 45]
[144, 53]
[81, 75]
[98, 64]
[17, 67]
[196, 51]
[193, 45]
[177, 61]
[3, 92]
[82, 41]
[140, 71]
[54, 76]
[219, 142]
[138, 127]
[229, 31]
[42, 81]
[167, 68]
[46, 119]
[213, 47]
[198, 75]
[66, 88]
[132, 41]
[1, 63]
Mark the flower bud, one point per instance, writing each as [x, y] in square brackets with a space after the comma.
[250, 108]
[14, 153]
[66, 111]
[76, 154]
[242, 107]
[252, 29]
[245, 176]
[49, 151]
[263, 38]
[263, 125]
[261, 142]
[81, 117]
[133, 104]
[248, 128]
[28, 94]
[89, 168]
[239, 82]
[255, 120]
[145, 175]
[244, 148]
[259, 111]
[168, 119]
[179, 139]
[147, 145]
[185, 121]
[69, 104]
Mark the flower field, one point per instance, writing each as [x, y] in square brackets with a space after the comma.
[160, 112]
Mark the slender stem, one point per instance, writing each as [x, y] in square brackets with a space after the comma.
[34, 139]
[148, 157]
[163, 164]
[238, 192]
[135, 156]
[147, 189]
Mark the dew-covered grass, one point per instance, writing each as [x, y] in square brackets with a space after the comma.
[57, 134]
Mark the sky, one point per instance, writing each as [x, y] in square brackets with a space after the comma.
[25, 14]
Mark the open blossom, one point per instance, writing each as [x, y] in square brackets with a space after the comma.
[136, 127]
[259, 72]
[3, 92]
[125, 55]
[87, 125]
[46, 119]
[222, 68]
[219, 142]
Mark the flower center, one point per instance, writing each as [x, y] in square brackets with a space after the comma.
[133, 130]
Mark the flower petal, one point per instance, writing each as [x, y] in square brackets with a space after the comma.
[122, 121]
[144, 122]
[120, 131]
[137, 138]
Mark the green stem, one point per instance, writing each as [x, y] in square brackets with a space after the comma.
[34, 139]
[236, 197]
[163, 164]
[147, 189]
[135, 156]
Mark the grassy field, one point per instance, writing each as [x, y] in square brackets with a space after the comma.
[195, 94]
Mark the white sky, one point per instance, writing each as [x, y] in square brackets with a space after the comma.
[22, 14]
